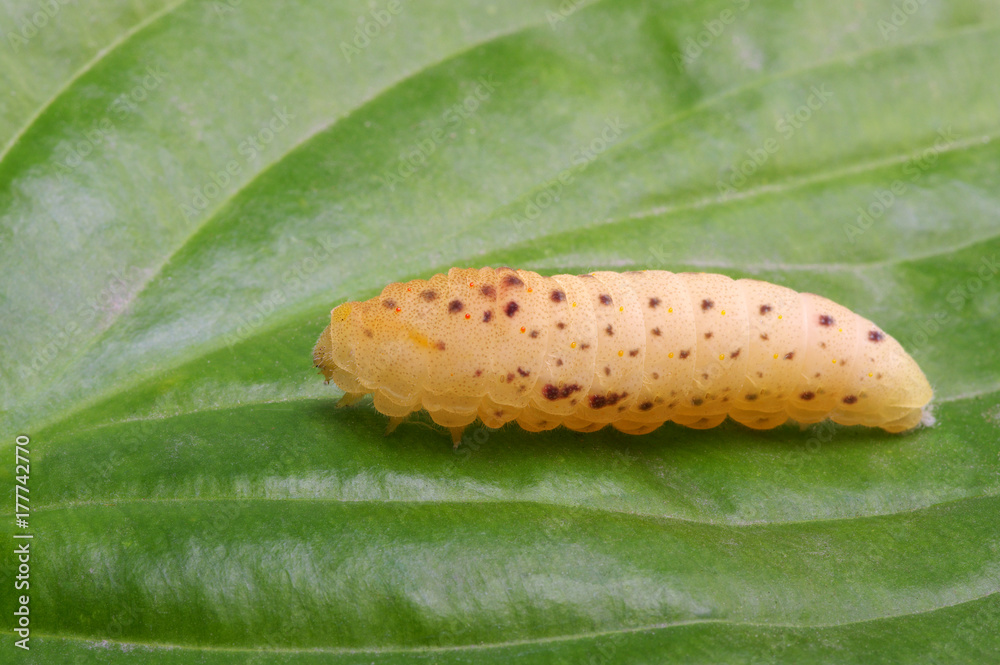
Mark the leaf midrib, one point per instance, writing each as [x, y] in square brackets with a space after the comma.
[601, 510]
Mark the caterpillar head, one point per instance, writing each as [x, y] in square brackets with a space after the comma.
[362, 349]
[332, 353]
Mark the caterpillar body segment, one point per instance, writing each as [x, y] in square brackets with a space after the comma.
[632, 350]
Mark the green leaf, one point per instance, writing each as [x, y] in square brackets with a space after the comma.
[187, 188]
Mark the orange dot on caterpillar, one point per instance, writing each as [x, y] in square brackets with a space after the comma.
[632, 350]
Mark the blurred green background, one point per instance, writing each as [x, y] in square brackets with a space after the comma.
[187, 188]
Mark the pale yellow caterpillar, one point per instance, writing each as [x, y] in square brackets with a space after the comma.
[632, 350]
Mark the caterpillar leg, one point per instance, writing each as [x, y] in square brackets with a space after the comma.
[350, 398]
[394, 422]
[456, 434]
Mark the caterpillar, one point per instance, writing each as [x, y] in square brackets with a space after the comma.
[631, 350]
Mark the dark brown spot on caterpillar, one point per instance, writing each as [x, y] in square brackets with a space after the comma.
[388, 303]
[764, 309]
[559, 362]
[479, 372]
[789, 355]
[523, 372]
[510, 377]
[825, 320]
[653, 302]
[684, 354]
[736, 353]
[850, 399]
[725, 399]
[750, 397]
[764, 336]
[455, 306]
[511, 308]
[552, 393]
[369, 333]
[760, 375]
[512, 280]
[706, 305]
[607, 371]
[601, 401]
[807, 396]
[498, 413]
[487, 316]
[816, 376]
[560, 325]
[558, 296]
[875, 336]
[822, 345]
[633, 353]
[697, 401]
[440, 346]
[488, 290]
[879, 375]
[605, 299]
[645, 406]
[428, 295]
[533, 334]
[708, 335]
[656, 332]
[610, 331]
[704, 375]
[584, 347]
[656, 375]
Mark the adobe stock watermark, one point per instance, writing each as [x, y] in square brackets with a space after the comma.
[368, 29]
[695, 45]
[928, 327]
[35, 22]
[112, 298]
[23, 549]
[583, 157]
[883, 199]
[103, 131]
[292, 280]
[786, 127]
[969, 631]
[900, 16]
[416, 157]
[566, 9]
[249, 149]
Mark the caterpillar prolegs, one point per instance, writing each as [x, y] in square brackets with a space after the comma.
[631, 350]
